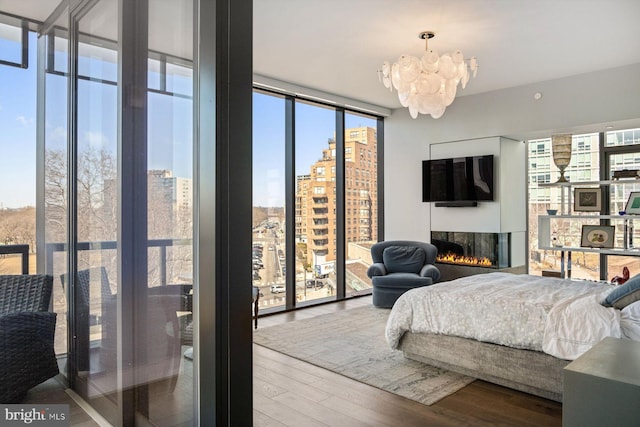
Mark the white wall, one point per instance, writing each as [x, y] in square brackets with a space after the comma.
[507, 213]
[583, 103]
[483, 218]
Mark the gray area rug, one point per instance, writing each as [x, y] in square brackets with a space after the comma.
[351, 343]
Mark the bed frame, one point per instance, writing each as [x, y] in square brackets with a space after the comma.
[525, 370]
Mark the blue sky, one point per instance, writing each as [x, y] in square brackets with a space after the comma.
[170, 129]
[314, 126]
[18, 125]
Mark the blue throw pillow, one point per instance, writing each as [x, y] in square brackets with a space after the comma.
[403, 259]
[625, 294]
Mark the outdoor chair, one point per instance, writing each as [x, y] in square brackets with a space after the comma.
[27, 329]
[162, 326]
[85, 318]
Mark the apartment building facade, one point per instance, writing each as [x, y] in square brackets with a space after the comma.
[316, 202]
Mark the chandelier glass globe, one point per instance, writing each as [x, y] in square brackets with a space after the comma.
[428, 85]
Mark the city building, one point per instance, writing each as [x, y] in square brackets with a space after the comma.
[316, 198]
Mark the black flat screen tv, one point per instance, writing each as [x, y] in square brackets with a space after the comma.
[460, 179]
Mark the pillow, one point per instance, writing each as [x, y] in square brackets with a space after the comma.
[403, 259]
[625, 294]
[630, 321]
[632, 311]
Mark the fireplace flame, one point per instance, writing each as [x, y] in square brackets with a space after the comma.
[451, 258]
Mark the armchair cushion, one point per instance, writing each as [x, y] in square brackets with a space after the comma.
[403, 259]
[431, 271]
[376, 269]
[402, 280]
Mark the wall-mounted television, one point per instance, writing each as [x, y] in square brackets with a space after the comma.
[460, 179]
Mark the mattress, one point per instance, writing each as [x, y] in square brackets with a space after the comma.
[560, 317]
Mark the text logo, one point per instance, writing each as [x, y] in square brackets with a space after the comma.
[35, 415]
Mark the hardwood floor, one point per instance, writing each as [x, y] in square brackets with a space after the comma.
[289, 392]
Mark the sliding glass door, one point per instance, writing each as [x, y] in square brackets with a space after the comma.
[118, 203]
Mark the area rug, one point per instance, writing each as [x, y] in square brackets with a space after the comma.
[352, 343]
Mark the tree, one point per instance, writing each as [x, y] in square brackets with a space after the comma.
[18, 227]
[97, 210]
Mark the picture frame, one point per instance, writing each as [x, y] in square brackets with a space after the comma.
[633, 204]
[587, 200]
[598, 236]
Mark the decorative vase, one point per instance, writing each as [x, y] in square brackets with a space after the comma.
[561, 147]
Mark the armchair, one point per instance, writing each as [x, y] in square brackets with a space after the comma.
[400, 265]
[27, 330]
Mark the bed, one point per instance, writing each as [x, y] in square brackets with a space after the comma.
[518, 331]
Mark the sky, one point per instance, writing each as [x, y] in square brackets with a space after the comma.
[170, 130]
[18, 129]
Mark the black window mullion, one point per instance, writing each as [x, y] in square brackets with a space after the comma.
[25, 44]
[380, 177]
[290, 197]
[132, 207]
[340, 205]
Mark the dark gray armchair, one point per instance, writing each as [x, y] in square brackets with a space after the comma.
[400, 265]
[27, 330]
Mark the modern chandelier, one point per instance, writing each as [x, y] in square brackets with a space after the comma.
[428, 85]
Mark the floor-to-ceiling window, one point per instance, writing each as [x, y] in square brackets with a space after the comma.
[619, 150]
[17, 141]
[622, 151]
[329, 159]
[54, 51]
[118, 193]
[361, 199]
[316, 184]
[268, 250]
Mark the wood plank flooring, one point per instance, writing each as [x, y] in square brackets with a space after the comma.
[290, 392]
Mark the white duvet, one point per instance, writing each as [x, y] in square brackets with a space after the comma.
[560, 317]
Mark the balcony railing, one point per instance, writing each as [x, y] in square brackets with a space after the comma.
[320, 243]
[18, 249]
[320, 200]
[163, 244]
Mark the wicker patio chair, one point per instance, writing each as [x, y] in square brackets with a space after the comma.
[27, 329]
[85, 315]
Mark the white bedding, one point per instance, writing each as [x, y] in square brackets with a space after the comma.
[630, 321]
[560, 317]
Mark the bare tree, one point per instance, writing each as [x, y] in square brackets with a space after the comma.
[18, 226]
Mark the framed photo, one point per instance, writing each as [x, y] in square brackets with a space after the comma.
[587, 200]
[597, 236]
[633, 204]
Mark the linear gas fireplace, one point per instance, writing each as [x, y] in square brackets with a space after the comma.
[488, 250]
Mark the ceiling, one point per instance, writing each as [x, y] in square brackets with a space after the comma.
[337, 46]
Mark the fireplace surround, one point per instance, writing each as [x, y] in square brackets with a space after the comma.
[461, 247]
[488, 250]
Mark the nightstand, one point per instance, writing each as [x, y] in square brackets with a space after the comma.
[602, 387]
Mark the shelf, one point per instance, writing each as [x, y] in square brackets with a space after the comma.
[545, 234]
[613, 251]
[583, 217]
[545, 226]
[591, 183]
